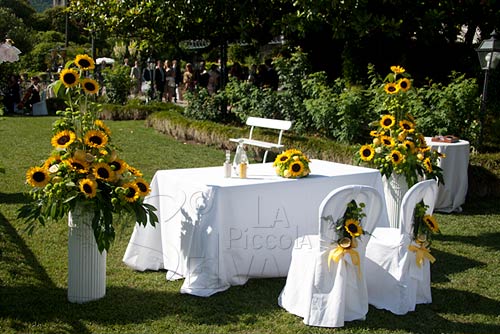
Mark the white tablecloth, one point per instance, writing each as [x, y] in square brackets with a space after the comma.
[217, 232]
[452, 194]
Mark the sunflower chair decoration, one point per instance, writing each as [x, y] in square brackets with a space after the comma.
[292, 164]
[424, 226]
[348, 229]
[84, 165]
[397, 145]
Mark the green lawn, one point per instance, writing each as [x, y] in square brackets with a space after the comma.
[33, 269]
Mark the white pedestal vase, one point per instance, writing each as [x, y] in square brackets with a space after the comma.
[86, 265]
[395, 187]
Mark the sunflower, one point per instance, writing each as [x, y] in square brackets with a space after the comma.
[90, 86]
[428, 165]
[404, 84]
[118, 166]
[103, 171]
[397, 69]
[52, 160]
[69, 77]
[282, 158]
[396, 157]
[391, 88]
[353, 227]
[296, 168]
[63, 139]
[103, 127]
[387, 121]
[366, 152]
[80, 166]
[374, 133]
[387, 141]
[88, 187]
[95, 138]
[37, 176]
[407, 125]
[431, 222]
[410, 146]
[132, 192]
[134, 171]
[143, 186]
[84, 62]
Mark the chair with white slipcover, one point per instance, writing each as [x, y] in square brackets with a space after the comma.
[324, 295]
[396, 282]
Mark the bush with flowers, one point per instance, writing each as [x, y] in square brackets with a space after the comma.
[397, 146]
[84, 166]
[292, 163]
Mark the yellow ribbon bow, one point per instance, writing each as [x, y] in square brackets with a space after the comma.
[337, 253]
[422, 252]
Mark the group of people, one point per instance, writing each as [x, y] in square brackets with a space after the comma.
[21, 95]
[166, 81]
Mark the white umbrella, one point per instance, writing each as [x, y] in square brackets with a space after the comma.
[8, 52]
[105, 60]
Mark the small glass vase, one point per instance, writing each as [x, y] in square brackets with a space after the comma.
[86, 265]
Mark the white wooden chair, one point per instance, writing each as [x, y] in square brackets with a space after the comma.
[267, 123]
[327, 296]
[395, 282]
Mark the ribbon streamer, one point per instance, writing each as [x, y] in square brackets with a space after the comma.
[421, 253]
[337, 253]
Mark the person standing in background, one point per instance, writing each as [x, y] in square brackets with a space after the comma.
[178, 80]
[159, 80]
[135, 76]
[170, 81]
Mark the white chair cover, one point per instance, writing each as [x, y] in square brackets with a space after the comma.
[323, 296]
[395, 281]
[40, 108]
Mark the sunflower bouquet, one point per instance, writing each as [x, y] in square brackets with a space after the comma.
[397, 145]
[348, 229]
[292, 163]
[424, 226]
[84, 166]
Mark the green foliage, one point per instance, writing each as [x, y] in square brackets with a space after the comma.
[203, 106]
[118, 84]
[450, 109]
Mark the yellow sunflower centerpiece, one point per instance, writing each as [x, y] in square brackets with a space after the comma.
[397, 146]
[84, 166]
[349, 229]
[292, 164]
[424, 227]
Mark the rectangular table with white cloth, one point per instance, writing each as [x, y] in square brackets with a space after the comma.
[452, 194]
[216, 232]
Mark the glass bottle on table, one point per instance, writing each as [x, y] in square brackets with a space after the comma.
[227, 164]
[237, 157]
[243, 165]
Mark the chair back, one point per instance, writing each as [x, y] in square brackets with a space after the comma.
[425, 190]
[335, 204]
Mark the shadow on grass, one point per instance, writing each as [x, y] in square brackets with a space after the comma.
[450, 312]
[13, 198]
[448, 264]
[481, 206]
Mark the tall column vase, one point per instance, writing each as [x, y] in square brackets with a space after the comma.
[86, 265]
[395, 187]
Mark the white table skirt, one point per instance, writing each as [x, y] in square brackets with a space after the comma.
[217, 232]
[452, 194]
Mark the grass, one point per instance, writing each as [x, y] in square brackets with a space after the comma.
[33, 269]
